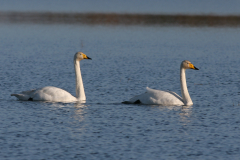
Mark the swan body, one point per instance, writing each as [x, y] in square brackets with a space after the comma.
[152, 96]
[49, 93]
[54, 94]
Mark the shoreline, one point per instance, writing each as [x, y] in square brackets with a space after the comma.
[120, 19]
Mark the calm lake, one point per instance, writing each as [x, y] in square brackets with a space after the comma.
[125, 60]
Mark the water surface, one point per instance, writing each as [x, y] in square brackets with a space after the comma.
[125, 60]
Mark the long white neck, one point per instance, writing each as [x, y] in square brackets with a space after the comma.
[80, 94]
[185, 95]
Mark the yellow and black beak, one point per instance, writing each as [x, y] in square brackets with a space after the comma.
[86, 57]
[193, 67]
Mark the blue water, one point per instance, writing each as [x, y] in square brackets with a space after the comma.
[125, 60]
[221, 7]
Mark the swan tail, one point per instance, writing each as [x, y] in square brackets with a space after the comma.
[129, 102]
[22, 97]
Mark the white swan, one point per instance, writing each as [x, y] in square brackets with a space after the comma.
[54, 94]
[153, 96]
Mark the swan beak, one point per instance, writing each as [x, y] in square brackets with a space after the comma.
[86, 57]
[196, 68]
[193, 67]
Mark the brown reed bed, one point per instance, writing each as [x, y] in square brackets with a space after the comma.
[120, 19]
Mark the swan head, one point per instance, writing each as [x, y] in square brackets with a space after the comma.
[80, 56]
[188, 65]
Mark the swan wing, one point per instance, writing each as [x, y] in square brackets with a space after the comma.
[152, 96]
[48, 93]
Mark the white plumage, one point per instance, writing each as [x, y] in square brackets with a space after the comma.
[54, 94]
[152, 96]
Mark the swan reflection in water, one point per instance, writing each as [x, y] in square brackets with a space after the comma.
[184, 112]
[77, 110]
[80, 111]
